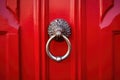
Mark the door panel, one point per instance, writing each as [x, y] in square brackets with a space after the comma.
[9, 46]
[65, 69]
[108, 42]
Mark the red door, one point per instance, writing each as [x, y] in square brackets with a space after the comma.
[95, 40]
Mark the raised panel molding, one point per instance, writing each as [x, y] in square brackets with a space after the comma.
[109, 9]
[105, 5]
[13, 6]
[9, 13]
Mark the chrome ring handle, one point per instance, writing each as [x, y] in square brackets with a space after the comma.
[58, 29]
[58, 58]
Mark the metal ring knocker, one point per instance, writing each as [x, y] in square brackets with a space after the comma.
[58, 29]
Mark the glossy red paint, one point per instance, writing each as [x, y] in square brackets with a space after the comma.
[9, 43]
[95, 40]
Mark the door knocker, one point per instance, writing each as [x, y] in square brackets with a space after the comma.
[58, 29]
